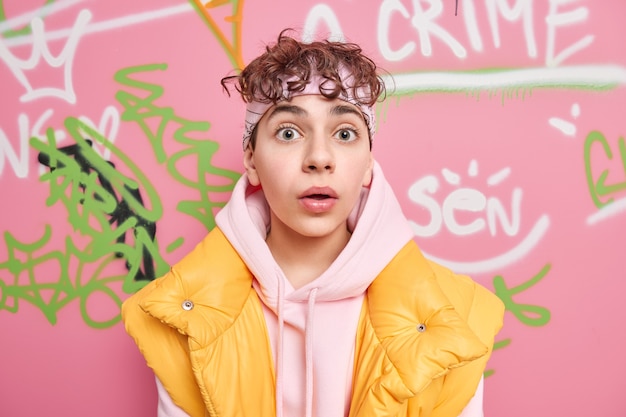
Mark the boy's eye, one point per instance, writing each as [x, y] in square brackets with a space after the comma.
[288, 133]
[346, 135]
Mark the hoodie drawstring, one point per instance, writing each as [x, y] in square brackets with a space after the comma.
[279, 348]
[309, 352]
[309, 331]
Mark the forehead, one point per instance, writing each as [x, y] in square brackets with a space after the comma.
[305, 106]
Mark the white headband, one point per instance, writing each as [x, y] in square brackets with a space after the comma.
[256, 109]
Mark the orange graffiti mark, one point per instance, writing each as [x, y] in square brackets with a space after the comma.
[232, 48]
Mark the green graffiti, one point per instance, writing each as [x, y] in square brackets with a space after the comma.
[141, 109]
[43, 280]
[112, 210]
[530, 315]
[21, 264]
[103, 203]
[598, 188]
[114, 230]
[501, 344]
[496, 346]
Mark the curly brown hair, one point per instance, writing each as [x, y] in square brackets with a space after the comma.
[262, 79]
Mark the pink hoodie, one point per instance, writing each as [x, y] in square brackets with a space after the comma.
[312, 329]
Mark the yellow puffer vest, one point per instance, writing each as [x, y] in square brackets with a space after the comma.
[423, 338]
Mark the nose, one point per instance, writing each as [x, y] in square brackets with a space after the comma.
[319, 156]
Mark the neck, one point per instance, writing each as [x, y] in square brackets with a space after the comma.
[304, 258]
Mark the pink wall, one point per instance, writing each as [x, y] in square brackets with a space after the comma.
[504, 140]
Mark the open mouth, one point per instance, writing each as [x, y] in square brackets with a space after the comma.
[318, 196]
[319, 199]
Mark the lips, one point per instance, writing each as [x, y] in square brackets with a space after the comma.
[318, 199]
[319, 193]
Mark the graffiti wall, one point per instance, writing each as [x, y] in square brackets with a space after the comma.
[503, 136]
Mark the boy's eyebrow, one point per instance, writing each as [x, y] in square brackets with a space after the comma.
[342, 109]
[338, 110]
[287, 108]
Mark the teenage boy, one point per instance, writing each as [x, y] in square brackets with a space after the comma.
[310, 297]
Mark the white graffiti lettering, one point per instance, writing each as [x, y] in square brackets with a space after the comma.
[424, 21]
[40, 49]
[322, 13]
[491, 213]
[557, 19]
[463, 199]
[522, 9]
[108, 126]
[19, 161]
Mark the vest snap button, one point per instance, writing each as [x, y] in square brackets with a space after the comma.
[187, 305]
[421, 327]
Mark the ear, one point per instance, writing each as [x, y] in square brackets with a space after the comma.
[248, 163]
[367, 177]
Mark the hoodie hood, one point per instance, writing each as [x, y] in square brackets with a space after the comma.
[379, 230]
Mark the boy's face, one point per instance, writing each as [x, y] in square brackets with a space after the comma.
[312, 157]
